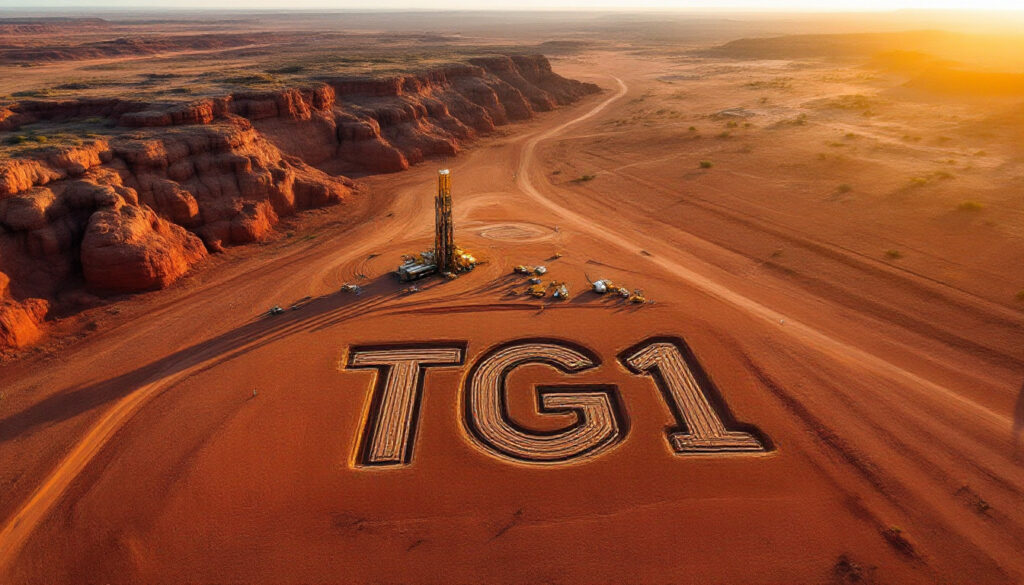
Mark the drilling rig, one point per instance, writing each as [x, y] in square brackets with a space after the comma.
[446, 257]
[444, 232]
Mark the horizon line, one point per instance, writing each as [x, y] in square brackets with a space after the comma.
[734, 9]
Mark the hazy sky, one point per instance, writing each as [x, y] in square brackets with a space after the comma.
[754, 5]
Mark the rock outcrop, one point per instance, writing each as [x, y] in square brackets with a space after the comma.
[167, 183]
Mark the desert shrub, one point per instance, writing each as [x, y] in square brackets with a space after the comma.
[845, 188]
[777, 83]
[252, 79]
[693, 129]
[706, 164]
[970, 206]
[584, 178]
[933, 176]
[799, 120]
[1020, 295]
[287, 69]
[847, 570]
[893, 254]
[80, 84]
[18, 139]
[31, 93]
[852, 102]
[724, 134]
[731, 124]
[896, 538]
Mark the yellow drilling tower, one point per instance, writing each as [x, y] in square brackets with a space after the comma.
[444, 234]
[446, 258]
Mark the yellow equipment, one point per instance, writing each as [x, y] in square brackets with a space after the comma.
[464, 261]
[637, 297]
[445, 253]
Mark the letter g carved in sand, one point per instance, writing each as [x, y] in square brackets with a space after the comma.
[597, 427]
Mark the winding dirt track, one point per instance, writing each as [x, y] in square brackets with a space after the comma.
[803, 332]
[866, 442]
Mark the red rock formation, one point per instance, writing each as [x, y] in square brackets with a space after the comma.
[128, 248]
[138, 209]
[19, 322]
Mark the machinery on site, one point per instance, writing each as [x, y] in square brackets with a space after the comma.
[561, 291]
[446, 258]
[530, 270]
[637, 297]
[600, 286]
[537, 290]
[605, 286]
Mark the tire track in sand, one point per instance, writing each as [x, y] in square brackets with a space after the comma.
[801, 331]
[19, 527]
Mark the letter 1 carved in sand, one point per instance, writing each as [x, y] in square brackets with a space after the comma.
[686, 389]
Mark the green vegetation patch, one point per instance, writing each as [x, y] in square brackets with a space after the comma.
[970, 206]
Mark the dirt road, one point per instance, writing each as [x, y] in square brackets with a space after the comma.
[194, 439]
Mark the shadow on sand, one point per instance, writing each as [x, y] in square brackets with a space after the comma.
[313, 314]
[309, 315]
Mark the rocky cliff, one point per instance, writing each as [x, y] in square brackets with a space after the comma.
[136, 203]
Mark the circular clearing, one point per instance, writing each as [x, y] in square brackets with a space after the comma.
[519, 232]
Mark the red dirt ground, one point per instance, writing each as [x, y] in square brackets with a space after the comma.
[192, 439]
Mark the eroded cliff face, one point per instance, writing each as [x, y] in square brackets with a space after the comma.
[161, 185]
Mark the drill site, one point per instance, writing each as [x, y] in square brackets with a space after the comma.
[565, 297]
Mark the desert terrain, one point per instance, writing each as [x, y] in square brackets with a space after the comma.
[828, 219]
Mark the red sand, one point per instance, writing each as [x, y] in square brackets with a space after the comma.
[191, 439]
